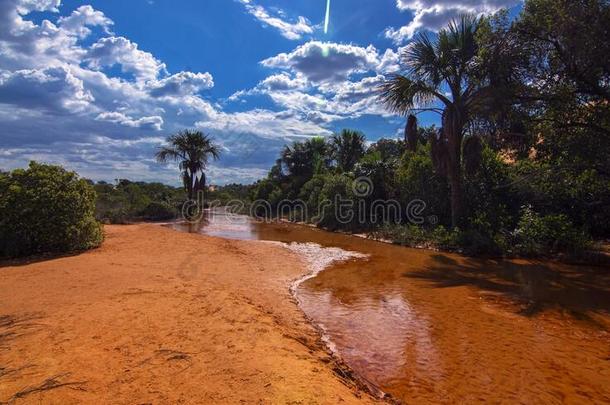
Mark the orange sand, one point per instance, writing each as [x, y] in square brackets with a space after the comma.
[157, 316]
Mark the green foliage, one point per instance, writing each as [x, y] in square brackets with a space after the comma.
[417, 236]
[129, 201]
[310, 195]
[347, 148]
[337, 189]
[548, 234]
[46, 209]
[192, 150]
[158, 211]
[417, 179]
[527, 124]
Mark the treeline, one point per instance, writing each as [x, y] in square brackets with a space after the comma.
[128, 201]
[520, 162]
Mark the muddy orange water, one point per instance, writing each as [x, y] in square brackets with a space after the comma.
[430, 327]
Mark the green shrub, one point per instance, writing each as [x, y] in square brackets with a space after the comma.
[548, 234]
[417, 179]
[310, 195]
[158, 211]
[339, 206]
[446, 239]
[46, 209]
[406, 235]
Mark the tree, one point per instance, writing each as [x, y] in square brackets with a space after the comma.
[433, 68]
[46, 209]
[411, 133]
[347, 148]
[193, 150]
[304, 159]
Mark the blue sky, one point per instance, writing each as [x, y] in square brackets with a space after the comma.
[97, 85]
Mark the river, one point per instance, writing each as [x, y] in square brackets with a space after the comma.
[430, 327]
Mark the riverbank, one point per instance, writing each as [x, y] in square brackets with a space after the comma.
[157, 316]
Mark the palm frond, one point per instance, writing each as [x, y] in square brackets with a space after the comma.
[401, 94]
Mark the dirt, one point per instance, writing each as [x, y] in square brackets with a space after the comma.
[158, 316]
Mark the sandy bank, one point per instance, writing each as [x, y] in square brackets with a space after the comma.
[157, 316]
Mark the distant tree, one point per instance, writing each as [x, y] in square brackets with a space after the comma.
[448, 63]
[347, 148]
[387, 149]
[192, 150]
[304, 159]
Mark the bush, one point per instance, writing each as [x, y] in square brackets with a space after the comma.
[129, 201]
[339, 206]
[417, 179]
[547, 234]
[46, 209]
[406, 235]
[158, 211]
[310, 195]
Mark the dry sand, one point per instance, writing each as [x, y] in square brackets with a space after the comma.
[162, 317]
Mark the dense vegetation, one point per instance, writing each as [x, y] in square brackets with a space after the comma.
[46, 209]
[520, 163]
[128, 201]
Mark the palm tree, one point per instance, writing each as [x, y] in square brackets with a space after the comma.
[192, 149]
[347, 148]
[304, 159]
[444, 71]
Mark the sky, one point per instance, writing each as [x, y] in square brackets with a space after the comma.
[97, 86]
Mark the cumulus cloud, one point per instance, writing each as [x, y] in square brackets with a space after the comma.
[61, 101]
[27, 6]
[263, 123]
[51, 89]
[181, 84]
[326, 61]
[154, 122]
[111, 51]
[283, 81]
[290, 30]
[432, 15]
[82, 18]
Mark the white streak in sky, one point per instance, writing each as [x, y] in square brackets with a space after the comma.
[327, 19]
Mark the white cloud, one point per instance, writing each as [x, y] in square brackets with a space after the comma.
[111, 51]
[27, 6]
[82, 18]
[432, 15]
[264, 124]
[181, 84]
[51, 89]
[154, 122]
[59, 102]
[326, 61]
[290, 30]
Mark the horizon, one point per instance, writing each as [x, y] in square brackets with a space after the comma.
[97, 86]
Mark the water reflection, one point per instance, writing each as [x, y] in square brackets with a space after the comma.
[221, 224]
[435, 328]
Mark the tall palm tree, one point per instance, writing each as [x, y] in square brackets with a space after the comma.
[193, 150]
[443, 71]
[347, 148]
[304, 159]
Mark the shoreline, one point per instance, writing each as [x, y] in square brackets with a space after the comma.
[595, 258]
[342, 369]
[162, 316]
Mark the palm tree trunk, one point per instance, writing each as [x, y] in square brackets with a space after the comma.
[454, 127]
[411, 133]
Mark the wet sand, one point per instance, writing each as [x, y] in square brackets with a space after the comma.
[158, 316]
[430, 327]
